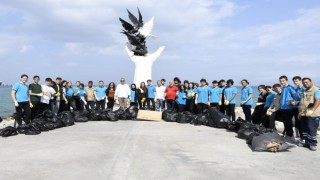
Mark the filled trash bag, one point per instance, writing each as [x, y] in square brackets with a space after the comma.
[66, 118]
[104, 116]
[269, 141]
[218, 119]
[80, 116]
[167, 111]
[38, 124]
[184, 117]
[27, 130]
[132, 112]
[171, 117]
[58, 124]
[8, 131]
[235, 125]
[95, 115]
[246, 129]
[201, 119]
[259, 131]
[112, 116]
[121, 113]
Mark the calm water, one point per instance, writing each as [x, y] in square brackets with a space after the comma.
[7, 107]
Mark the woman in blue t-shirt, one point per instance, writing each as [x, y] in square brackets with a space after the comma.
[82, 93]
[182, 98]
[134, 99]
[230, 92]
[70, 97]
[190, 98]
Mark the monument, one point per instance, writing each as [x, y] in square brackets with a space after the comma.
[136, 48]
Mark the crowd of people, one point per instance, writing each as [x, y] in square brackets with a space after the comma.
[278, 102]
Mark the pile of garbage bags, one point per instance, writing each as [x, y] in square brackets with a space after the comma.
[47, 121]
[257, 137]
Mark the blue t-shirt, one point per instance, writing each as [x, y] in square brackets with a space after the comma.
[203, 94]
[269, 99]
[229, 92]
[100, 91]
[182, 98]
[133, 96]
[151, 90]
[69, 92]
[245, 92]
[317, 95]
[82, 92]
[299, 91]
[286, 95]
[215, 94]
[22, 92]
[76, 90]
[189, 92]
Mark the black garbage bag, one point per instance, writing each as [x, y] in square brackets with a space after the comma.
[218, 119]
[38, 124]
[132, 112]
[235, 125]
[258, 132]
[95, 115]
[80, 116]
[53, 119]
[171, 117]
[23, 128]
[49, 126]
[167, 111]
[8, 131]
[246, 129]
[27, 129]
[58, 124]
[112, 116]
[270, 141]
[201, 119]
[104, 116]
[121, 113]
[184, 117]
[66, 118]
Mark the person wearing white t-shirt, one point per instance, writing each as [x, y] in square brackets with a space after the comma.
[159, 96]
[123, 94]
[47, 93]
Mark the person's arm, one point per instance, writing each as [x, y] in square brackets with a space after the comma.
[13, 96]
[316, 104]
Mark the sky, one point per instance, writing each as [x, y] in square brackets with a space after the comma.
[212, 39]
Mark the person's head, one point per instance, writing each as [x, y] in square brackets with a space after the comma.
[78, 83]
[283, 80]
[24, 78]
[48, 81]
[171, 83]
[176, 80]
[196, 85]
[182, 87]
[277, 88]
[222, 83]
[269, 89]
[36, 79]
[297, 81]
[215, 83]
[90, 84]
[149, 82]
[81, 86]
[244, 83]
[133, 86]
[230, 82]
[69, 84]
[163, 81]
[203, 82]
[58, 80]
[159, 83]
[307, 82]
[122, 81]
[101, 83]
[191, 85]
[64, 83]
[112, 85]
[262, 88]
[142, 85]
[186, 83]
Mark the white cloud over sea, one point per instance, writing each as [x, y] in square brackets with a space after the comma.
[81, 40]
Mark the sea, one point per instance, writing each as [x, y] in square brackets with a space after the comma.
[7, 106]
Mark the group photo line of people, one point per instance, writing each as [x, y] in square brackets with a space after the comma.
[296, 106]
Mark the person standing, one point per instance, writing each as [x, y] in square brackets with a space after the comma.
[259, 113]
[142, 95]
[21, 99]
[230, 93]
[246, 99]
[123, 93]
[171, 95]
[63, 101]
[182, 98]
[190, 98]
[70, 97]
[222, 86]
[288, 94]
[202, 96]
[47, 92]
[163, 82]
[110, 95]
[274, 111]
[100, 95]
[89, 96]
[35, 93]
[151, 90]
[309, 111]
[159, 96]
[299, 89]
[82, 94]
[57, 98]
[134, 99]
[76, 95]
[215, 95]
[269, 100]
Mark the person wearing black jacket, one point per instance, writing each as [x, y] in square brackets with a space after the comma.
[142, 94]
[258, 114]
[55, 102]
[110, 95]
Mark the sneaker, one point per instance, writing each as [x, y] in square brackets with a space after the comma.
[313, 148]
[301, 144]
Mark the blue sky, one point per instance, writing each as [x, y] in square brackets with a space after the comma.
[212, 39]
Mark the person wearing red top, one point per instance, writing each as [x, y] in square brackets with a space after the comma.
[171, 95]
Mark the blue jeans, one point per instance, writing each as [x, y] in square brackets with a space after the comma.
[309, 126]
[159, 105]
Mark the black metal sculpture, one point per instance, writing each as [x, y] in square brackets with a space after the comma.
[137, 32]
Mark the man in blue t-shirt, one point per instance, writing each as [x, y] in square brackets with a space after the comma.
[151, 90]
[246, 99]
[100, 94]
[21, 99]
[288, 95]
[230, 93]
[202, 96]
[299, 89]
[215, 95]
[222, 86]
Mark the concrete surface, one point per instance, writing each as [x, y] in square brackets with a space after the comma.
[147, 150]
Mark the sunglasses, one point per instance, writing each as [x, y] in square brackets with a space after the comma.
[122, 81]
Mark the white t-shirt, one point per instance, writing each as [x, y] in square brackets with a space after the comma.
[46, 98]
[123, 91]
[160, 92]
